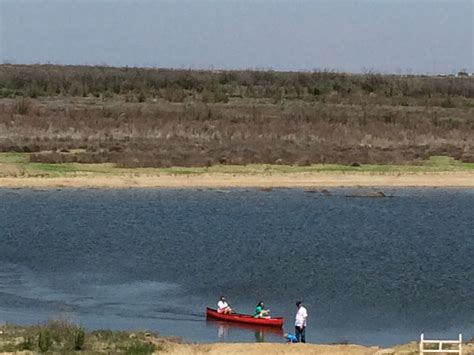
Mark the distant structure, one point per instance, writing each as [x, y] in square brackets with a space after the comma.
[463, 72]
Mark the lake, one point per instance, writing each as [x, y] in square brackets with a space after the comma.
[369, 270]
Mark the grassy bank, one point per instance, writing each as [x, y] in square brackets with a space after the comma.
[18, 171]
[59, 336]
[20, 165]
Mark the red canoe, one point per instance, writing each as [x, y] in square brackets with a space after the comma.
[245, 318]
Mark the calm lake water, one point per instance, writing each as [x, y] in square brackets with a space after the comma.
[370, 270]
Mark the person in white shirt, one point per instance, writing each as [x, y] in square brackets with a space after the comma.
[223, 306]
[300, 322]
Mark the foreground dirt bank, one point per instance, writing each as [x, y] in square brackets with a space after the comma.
[264, 349]
[306, 349]
[297, 180]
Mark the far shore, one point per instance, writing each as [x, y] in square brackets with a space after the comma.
[306, 180]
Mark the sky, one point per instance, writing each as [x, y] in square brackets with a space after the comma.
[388, 36]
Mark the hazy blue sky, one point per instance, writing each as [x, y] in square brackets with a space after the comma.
[382, 35]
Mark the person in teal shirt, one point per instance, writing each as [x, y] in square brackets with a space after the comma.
[261, 312]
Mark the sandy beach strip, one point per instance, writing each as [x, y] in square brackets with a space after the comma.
[459, 179]
[290, 349]
[271, 348]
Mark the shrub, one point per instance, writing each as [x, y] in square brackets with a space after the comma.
[173, 94]
[7, 93]
[64, 333]
[141, 97]
[27, 344]
[448, 103]
[8, 348]
[79, 338]
[139, 348]
[44, 340]
[23, 107]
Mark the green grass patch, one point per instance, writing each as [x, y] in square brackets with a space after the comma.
[14, 158]
[139, 348]
[56, 169]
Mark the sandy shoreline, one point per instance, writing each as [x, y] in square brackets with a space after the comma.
[464, 179]
[272, 348]
[290, 349]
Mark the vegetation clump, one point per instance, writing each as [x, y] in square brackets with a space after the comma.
[63, 336]
[179, 85]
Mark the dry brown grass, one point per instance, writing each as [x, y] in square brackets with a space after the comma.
[141, 117]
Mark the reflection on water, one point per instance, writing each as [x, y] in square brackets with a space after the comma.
[262, 333]
[222, 332]
[259, 336]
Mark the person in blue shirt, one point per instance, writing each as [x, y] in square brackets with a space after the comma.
[290, 338]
